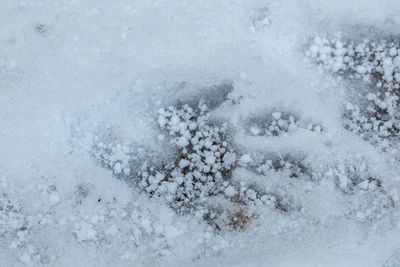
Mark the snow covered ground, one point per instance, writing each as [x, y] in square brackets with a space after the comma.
[199, 133]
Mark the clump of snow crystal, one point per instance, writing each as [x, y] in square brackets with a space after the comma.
[278, 124]
[205, 161]
[288, 165]
[114, 155]
[374, 113]
[374, 118]
[373, 62]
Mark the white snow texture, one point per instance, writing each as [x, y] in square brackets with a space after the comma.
[199, 133]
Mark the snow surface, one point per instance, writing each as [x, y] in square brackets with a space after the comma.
[199, 133]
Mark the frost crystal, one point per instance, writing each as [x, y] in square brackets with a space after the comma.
[279, 124]
[377, 64]
[205, 160]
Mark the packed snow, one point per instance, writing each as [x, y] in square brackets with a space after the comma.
[200, 133]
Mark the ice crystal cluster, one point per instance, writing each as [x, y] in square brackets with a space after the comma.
[279, 123]
[375, 114]
[373, 62]
[293, 167]
[206, 157]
